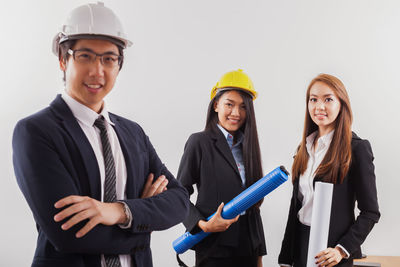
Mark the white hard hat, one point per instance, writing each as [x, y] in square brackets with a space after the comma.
[91, 21]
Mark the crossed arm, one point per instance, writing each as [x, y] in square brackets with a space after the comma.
[81, 208]
[50, 183]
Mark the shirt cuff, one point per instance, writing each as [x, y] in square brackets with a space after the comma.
[128, 215]
[285, 265]
[344, 250]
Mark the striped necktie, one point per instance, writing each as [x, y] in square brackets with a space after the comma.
[110, 194]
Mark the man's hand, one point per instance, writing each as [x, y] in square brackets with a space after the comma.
[152, 189]
[329, 257]
[217, 223]
[81, 208]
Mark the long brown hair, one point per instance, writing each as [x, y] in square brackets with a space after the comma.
[251, 146]
[336, 162]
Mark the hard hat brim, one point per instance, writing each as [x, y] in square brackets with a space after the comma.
[61, 38]
[220, 90]
[114, 40]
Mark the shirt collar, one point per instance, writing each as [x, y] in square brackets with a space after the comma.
[229, 137]
[84, 114]
[323, 141]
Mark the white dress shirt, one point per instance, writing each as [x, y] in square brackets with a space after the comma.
[86, 118]
[316, 155]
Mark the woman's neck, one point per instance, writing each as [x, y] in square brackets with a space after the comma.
[324, 131]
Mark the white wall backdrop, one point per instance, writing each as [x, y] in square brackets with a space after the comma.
[181, 48]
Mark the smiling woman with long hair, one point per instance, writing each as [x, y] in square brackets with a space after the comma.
[332, 153]
[222, 161]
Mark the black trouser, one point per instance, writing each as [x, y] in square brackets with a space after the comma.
[301, 247]
[245, 261]
[242, 256]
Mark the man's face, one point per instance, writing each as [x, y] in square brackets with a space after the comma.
[90, 82]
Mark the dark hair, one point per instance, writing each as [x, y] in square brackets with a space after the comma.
[69, 44]
[336, 162]
[250, 145]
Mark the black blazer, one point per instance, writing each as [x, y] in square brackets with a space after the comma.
[53, 159]
[358, 185]
[208, 163]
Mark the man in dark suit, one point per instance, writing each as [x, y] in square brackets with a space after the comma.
[87, 174]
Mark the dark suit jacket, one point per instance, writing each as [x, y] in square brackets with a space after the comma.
[208, 162]
[53, 159]
[359, 185]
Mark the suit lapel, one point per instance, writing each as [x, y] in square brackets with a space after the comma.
[222, 146]
[298, 196]
[71, 125]
[130, 157]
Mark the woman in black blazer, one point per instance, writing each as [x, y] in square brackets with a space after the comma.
[222, 161]
[330, 152]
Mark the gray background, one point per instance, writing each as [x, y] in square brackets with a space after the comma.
[181, 48]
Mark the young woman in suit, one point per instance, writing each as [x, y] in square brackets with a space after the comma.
[222, 161]
[330, 152]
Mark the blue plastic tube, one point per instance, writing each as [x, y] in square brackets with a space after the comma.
[236, 206]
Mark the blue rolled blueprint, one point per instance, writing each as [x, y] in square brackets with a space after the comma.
[236, 206]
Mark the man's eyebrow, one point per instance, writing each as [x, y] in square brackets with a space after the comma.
[90, 50]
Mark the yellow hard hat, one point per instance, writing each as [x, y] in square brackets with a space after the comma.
[236, 79]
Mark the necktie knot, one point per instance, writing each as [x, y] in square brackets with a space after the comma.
[99, 123]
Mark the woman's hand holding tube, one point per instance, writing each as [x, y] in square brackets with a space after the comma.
[217, 223]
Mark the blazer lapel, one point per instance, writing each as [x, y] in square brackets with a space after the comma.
[222, 146]
[299, 197]
[71, 125]
[130, 157]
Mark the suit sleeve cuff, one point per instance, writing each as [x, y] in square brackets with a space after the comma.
[344, 250]
[128, 215]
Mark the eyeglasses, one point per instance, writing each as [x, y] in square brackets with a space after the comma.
[109, 59]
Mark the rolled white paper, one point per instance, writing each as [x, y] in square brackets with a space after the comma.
[321, 215]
